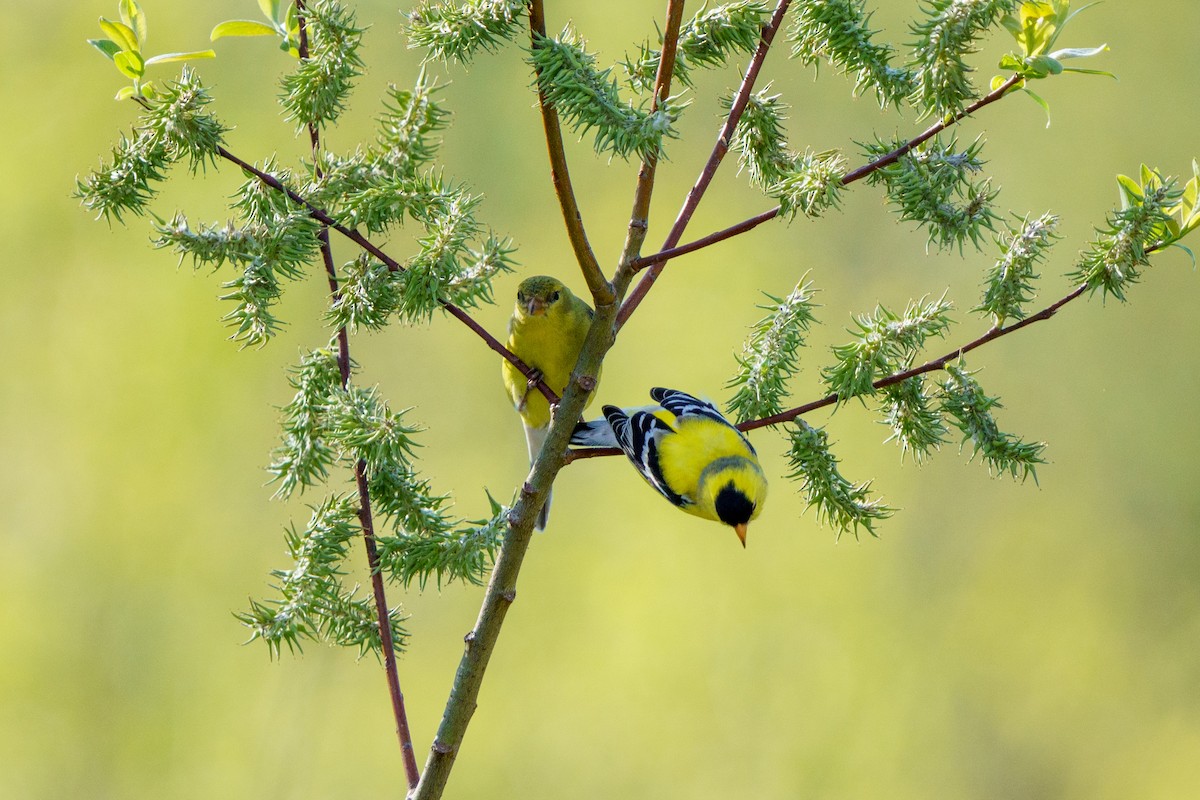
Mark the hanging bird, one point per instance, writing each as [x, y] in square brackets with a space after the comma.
[546, 331]
[691, 454]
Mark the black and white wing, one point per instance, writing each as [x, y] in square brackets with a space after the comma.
[684, 405]
[638, 434]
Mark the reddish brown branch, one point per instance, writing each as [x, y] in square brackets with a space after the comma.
[320, 215]
[720, 148]
[832, 399]
[928, 366]
[560, 175]
[639, 218]
[366, 521]
[669, 252]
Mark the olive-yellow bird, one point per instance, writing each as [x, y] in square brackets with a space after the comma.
[546, 331]
[689, 452]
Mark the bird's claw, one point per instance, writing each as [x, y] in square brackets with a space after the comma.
[531, 382]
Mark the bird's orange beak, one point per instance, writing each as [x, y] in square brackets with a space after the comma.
[741, 532]
[535, 306]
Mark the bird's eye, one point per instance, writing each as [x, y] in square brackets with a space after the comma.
[554, 297]
[520, 297]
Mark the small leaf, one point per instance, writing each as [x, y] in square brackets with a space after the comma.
[130, 63]
[120, 33]
[1081, 71]
[105, 46]
[133, 16]
[242, 27]
[1188, 203]
[1046, 65]
[291, 21]
[126, 92]
[1041, 102]
[148, 91]
[1187, 250]
[270, 9]
[1131, 192]
[1078, 52]
[1012, 61]
[167, 58]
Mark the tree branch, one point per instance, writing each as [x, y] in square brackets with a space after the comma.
[502, 587]
[832, 399]
[710, 168]
[639, 219]
[667, 253]
[602, 291]
[928, 366]
[320, 215]
[366, 522]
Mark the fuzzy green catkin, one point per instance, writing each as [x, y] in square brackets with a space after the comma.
[844, 505]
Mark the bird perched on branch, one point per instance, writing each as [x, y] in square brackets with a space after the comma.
[689, 452]
[546, 331]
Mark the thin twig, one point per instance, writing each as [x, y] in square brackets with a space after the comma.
[714, 160]
[668, 253]
[560, 175]
[365, 519]
[898, 377]
[928, 366]
[322, 216]
[639, 218]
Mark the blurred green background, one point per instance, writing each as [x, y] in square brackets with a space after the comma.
[998, 640]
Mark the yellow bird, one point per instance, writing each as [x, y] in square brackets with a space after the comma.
[689, 452]
[546, 331]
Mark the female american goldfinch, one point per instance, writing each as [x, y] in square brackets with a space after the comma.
[546, 331]
[691, 454]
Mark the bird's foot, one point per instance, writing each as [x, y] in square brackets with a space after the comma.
[531, 382]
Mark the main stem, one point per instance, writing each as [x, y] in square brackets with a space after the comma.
[502, 587]
[366, 521]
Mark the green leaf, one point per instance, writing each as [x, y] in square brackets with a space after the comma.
[120, 33]
[1046, 65]
[1078, 52]
[125, 93]
[291, 22]
[1187, 250]
[130, 63]
[270, 9]
[1131, 191]
[1010, 61]
[1189, 205]
[133, 16]
[242, 27]
[105, 46]
[1082, 71]
[167, 58]
[1041, 101]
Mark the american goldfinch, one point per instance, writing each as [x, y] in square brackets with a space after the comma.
[546, 331]
[691, 454]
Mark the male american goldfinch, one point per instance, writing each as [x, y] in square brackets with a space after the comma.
[691, 454]
[546, 331]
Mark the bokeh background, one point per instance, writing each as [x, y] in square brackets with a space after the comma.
[997, 640]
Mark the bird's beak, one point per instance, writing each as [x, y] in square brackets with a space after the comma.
[535, 306]
[741, 532]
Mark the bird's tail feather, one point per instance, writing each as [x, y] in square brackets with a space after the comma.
[535, 438]
[597, 433]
